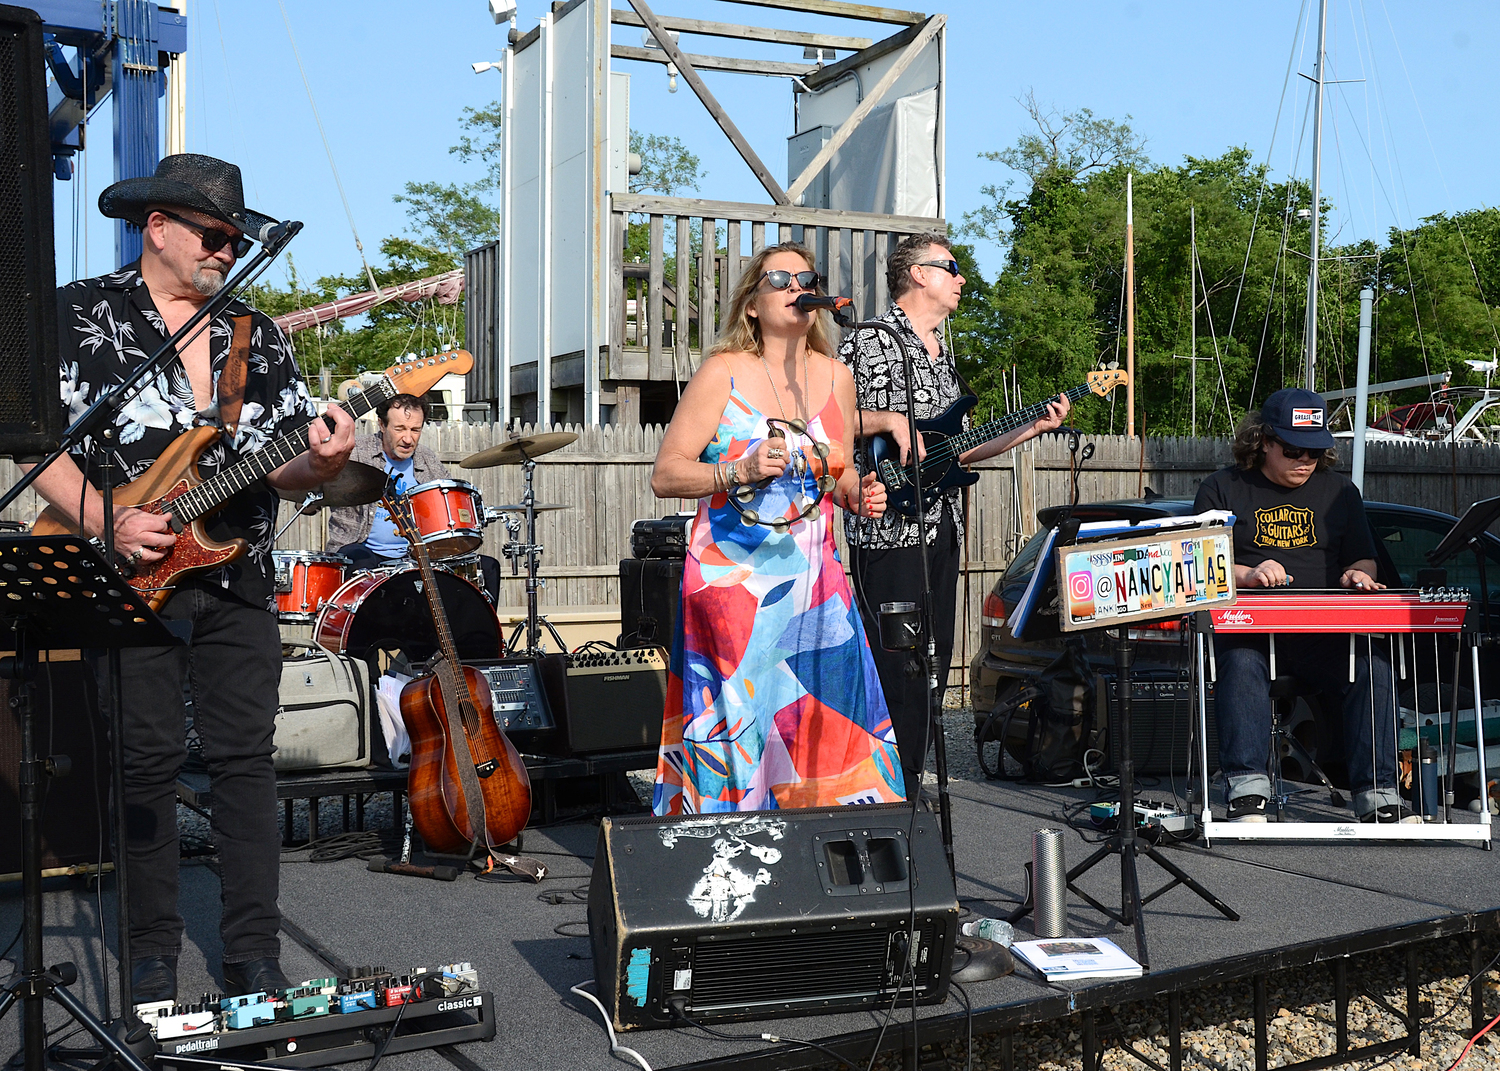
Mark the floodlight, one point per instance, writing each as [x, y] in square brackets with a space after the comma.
[482, 66]
[502, 10]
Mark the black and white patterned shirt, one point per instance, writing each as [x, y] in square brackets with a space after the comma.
[880, 384]
[107, 327]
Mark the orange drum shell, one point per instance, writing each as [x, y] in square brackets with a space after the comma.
[450, 516]
[313, 579]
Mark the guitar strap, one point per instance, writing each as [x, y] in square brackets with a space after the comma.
[232, 378]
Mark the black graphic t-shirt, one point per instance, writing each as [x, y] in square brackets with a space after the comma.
[1315, 531]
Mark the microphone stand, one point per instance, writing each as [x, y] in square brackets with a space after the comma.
[90, 421]
[929, 738]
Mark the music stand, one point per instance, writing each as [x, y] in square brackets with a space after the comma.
[57, 592]
[1073, 616]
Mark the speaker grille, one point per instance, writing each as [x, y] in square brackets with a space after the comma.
[790, 968]
[15, 341]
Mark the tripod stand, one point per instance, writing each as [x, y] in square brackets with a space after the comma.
[65, 596]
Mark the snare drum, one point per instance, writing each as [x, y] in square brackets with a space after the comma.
[449, 515]
[304, 582]
[386, 609]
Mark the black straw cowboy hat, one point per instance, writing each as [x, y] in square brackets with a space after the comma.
[201, 183]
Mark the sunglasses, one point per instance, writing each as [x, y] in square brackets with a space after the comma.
[213, 238]
[1297, 453]
[780, 280]
[950, 266]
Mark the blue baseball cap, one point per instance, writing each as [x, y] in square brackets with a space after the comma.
[1298, 418]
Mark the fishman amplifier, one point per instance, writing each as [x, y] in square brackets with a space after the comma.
[766, 914]
[615, 700]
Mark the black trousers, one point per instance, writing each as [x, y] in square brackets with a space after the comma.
[896, 576]
[232, 670]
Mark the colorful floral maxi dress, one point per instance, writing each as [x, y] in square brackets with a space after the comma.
[773, 700]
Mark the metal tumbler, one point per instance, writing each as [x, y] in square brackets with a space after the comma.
[1049, 884]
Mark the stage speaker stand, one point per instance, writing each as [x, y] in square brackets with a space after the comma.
[75, 809]
[31, 418]
[767, 914]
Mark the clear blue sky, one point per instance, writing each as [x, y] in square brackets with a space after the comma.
[1196, 76]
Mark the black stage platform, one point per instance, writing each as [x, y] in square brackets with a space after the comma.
[1300, 904]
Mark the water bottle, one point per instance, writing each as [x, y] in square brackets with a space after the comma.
[996, 930]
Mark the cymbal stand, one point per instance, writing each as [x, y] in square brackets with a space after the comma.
[531, 550]
[313, 497]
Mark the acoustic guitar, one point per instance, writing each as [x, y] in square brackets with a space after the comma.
[171, 486]
[946, 440]
[467, 784]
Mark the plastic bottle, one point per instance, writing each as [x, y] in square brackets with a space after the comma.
[997, 930]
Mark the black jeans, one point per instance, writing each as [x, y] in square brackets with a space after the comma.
[232, 668]
[896, 576]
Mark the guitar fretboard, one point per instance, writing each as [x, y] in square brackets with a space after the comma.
[958, 445]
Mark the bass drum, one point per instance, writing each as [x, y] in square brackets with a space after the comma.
[386, 610]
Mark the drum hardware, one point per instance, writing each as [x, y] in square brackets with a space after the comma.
[357, 484]
[494, 512]
[513, 453]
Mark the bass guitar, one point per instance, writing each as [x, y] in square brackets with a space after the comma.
[468, 786]
[171, 486]
[946, 441]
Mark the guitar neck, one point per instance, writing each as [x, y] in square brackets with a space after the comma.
[218, 489]
[445, 639]
[1009, 422]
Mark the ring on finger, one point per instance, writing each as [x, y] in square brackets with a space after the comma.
[135, 555]
[776, 451]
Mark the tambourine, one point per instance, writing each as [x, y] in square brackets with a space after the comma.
[746, 496]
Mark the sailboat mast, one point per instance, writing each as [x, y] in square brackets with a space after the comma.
[1193, 301]
[1129, 308]
[1311, 332]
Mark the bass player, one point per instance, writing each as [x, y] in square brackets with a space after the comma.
[886, 560]
[239, 373]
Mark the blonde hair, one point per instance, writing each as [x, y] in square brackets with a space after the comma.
[740, 332]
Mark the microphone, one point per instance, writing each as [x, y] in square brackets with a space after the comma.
[276, 233]
[806, 302]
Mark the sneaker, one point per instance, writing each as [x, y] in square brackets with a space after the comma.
[1247, 809]
[1392, 812]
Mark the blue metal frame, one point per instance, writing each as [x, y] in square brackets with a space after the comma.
[124, 44]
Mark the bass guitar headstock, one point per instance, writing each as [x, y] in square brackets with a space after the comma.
[1107, 379]
[420, 374]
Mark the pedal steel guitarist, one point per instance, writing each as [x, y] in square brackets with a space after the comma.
[925, 286]
[193, 228]
[1299, 523]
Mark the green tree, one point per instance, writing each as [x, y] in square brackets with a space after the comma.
[456, 217]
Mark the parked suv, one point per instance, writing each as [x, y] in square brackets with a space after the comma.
[1004, 664]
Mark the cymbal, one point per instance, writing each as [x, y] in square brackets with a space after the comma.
[540, 507]
[355, 485]
[514, 451]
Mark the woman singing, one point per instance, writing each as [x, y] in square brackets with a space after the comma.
[773, 699]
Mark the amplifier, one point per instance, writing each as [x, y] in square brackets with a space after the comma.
[1162, 718]
[665, 538]
[525, 692]
[650, 592]
[766, 914]
[615, 700]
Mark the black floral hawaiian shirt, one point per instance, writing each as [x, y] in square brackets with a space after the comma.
[107, 326]
[880, 384]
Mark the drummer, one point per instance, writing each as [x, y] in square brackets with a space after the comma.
[366, 535]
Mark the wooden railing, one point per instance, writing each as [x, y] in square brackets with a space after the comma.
[664, 320]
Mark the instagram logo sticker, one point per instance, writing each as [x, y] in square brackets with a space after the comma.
[1081, 594]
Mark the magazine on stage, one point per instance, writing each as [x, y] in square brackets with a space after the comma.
[1068, 958]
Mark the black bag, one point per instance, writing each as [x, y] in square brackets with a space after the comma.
[1046, 726]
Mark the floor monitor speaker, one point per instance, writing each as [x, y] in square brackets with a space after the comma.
[768, 914]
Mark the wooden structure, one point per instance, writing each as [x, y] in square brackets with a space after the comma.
[562, 327]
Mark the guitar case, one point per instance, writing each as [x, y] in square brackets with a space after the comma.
[324, 717]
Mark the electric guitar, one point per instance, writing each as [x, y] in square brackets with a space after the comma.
[171, 486]
[946, 440]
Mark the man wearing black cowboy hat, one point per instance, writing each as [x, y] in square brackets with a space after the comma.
[194, 224]
[1299, 524]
